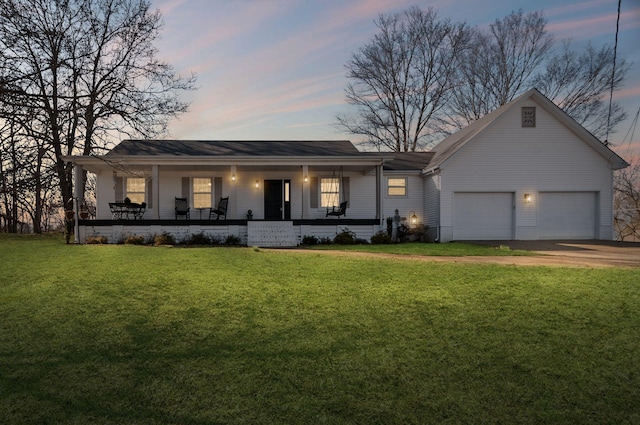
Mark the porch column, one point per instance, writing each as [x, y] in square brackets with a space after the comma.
[78, 195]
[305, 191]
[155, 190]
[379, 193]
[232, 208]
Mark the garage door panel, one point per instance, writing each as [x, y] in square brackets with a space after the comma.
[487, 215]
[567, 215]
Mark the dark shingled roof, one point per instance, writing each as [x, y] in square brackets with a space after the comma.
[398, 161]
[404, 161]
[235, 148]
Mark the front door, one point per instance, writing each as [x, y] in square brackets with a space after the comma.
[277, 199]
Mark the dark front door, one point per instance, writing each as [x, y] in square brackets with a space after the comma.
[277, 205]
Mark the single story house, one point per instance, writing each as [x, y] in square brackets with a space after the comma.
[524, 171]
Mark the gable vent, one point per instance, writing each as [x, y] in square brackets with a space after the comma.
[528, 116]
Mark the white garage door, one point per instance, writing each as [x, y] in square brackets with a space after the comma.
[485, 215]
[567, 215]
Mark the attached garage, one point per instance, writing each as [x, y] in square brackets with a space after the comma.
[567, 215]
[483, 215]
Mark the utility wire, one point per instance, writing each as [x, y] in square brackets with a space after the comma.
[613, 74]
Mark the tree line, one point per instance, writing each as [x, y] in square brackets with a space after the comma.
[422, 77]
[74, 76]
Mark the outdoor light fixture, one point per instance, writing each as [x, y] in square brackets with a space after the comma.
[414, 218]
[257, 184]
[306, 179]
[527, 198]
[233, 177]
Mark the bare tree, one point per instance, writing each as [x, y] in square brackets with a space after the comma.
[85, 68]
[499, 66]
[516, 54]
[626, 206]
[578, 83]
[401, 80]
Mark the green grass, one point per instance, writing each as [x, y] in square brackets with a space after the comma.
[142, 335]
[455, 249]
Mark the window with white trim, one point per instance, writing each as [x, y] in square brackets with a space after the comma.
[396, 186]
[201, 192]
[329, 192]
[135, 188]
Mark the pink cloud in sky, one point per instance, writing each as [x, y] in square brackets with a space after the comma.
[269, 68]
[628, 92]
[573, 7]
[591, 27]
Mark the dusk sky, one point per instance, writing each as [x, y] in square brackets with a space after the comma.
[274, 69]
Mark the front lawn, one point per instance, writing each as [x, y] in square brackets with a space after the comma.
[142, 335]
[455, 249]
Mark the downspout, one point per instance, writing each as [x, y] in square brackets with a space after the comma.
[439, 186]
[379, 195]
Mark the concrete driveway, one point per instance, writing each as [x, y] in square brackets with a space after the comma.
[591, 252]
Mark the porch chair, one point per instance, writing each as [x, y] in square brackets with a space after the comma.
[221, 210]
[182, 208]
[342, 210]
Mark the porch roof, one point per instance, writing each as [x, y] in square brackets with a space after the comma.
[276, 155]
[245, 148]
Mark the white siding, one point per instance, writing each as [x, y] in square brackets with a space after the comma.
[432, 205]
[509, 158]
[413, 202]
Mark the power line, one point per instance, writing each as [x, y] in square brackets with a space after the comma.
[613, 73]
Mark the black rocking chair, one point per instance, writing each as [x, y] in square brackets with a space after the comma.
[182, 208]
[221, 210]
[342, 210]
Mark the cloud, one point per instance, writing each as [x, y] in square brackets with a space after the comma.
[590, 27]
[628, 92]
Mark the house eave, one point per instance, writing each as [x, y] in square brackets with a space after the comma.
[364, 164]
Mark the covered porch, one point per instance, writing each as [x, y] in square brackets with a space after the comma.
[289, 196]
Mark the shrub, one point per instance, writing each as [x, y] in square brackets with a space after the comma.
[310, 240]
[216, 240]
[199, 239]
[134, 240]
[164, 239]
[403, 232]
[232, 240]
[326, 240]
[98, 240]
[381, 237]
[346, 237]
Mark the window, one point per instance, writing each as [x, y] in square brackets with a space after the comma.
[136, 189]
[397, 186]
[201, 192]
[329, 192]
[528, 116]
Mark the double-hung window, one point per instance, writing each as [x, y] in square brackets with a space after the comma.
[329, 192]
[201, 192]
[397, 186]
[136, 189]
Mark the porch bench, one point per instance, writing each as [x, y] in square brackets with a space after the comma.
[127, 210]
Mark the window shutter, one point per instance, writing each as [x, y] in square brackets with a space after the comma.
[149, 193]
[313, 192]
[119, 188]
[185, 187]
[345, 189]
[217, 189]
